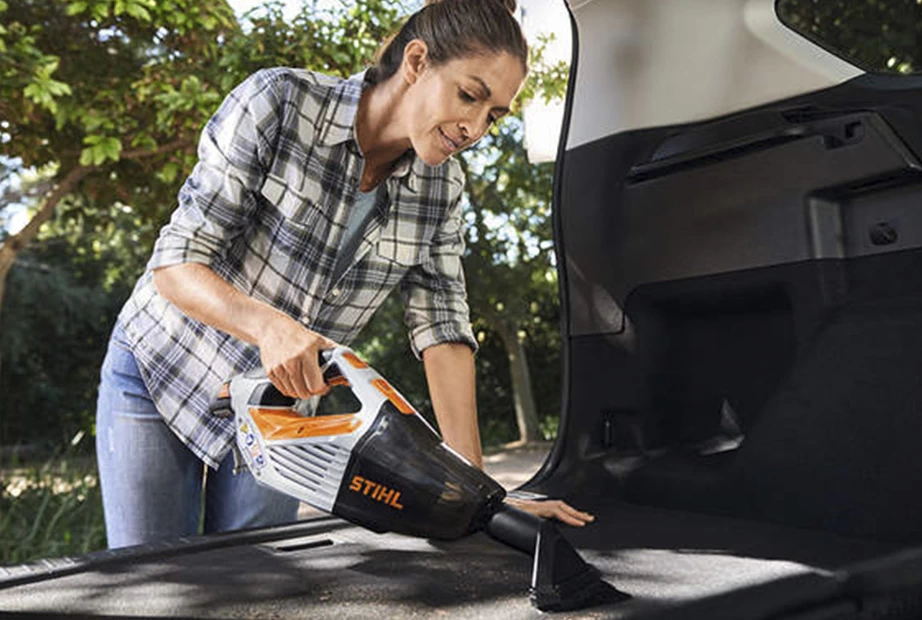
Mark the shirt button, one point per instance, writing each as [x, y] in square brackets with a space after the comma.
[335, 292]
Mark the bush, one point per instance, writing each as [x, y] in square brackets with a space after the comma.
[50, 510]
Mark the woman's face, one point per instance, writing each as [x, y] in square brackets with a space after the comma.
[453, 104]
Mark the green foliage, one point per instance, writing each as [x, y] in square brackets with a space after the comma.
[99, 149]
[50, 511]
[545, 79]
[338, 40]
[63, 295]
[512, 275]
[44, 89]
[54, 330]
[549, 427]
[879, 36]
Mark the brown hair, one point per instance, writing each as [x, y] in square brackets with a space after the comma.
[456, 29]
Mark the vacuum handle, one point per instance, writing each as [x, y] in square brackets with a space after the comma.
[270, 395]
[332, 372]
[331, 376]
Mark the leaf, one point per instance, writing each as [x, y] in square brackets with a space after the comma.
[61, 118]
[112, 147]
[100, 149]
[39, 95]
[86, 157]
[100, 11]
[75, 8]
[138, 12]
[143, 141]
[169, 171]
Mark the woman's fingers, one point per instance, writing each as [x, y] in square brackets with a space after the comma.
[576, 514]
[312, 373]
[553, 509]
[295, 371]
[313, 376]
[562, 511]
[280, 381]
[291, 361]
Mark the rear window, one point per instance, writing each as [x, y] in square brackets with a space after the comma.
[879, 36]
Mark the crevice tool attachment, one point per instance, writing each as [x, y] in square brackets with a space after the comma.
[561, 580]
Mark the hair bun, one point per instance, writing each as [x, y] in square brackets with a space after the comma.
[509, 5]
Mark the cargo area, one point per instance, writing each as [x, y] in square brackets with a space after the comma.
[326, 569]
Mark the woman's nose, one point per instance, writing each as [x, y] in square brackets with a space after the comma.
[464, 130]
[474, 128]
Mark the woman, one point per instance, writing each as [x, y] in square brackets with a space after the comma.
[312, 198]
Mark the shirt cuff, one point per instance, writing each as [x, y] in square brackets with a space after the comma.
[441, 333]
[177, 250]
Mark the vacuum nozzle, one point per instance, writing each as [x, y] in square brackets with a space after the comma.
[561, 580]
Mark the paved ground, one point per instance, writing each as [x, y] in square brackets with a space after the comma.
[513, 467]
[510, 467]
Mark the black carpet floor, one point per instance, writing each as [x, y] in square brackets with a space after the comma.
[662, 559]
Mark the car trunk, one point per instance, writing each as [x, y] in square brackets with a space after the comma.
[672, 563]
[743, 317]
[742, 406]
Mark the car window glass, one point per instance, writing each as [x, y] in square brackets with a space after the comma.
[879, 37]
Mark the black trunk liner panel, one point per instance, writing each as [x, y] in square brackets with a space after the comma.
[662, 558]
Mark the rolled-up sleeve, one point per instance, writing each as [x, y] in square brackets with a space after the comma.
[434, 292]
[219, 197]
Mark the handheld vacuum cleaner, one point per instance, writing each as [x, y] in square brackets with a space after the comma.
[385, 468]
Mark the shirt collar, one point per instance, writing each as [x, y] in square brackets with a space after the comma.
[338, 124]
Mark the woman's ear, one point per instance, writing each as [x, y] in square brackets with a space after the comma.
[415, 60]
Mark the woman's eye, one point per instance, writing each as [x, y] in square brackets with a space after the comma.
[466, 96]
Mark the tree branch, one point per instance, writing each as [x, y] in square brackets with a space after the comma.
[137, 154]
[13, 244]
[16, 242]
[10, 197]
[165, 148]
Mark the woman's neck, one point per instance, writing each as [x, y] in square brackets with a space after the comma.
[379, 131]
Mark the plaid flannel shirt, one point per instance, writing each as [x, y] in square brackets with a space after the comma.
[265, 207]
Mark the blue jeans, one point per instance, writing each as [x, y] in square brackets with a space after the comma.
[153, 486]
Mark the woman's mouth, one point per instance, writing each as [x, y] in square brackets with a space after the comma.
[450, 145]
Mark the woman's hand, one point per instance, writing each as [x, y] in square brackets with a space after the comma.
[553, 509]
[289, 353]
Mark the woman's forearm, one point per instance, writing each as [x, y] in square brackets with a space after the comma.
[203, 295]
[288, 350]
[450, 375]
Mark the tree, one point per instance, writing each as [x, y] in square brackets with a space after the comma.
[102, 95]
[112, 94]
[510, 264]
[106, 98]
